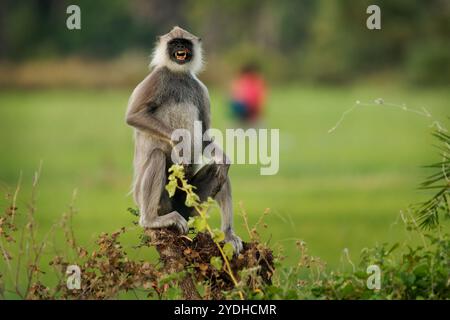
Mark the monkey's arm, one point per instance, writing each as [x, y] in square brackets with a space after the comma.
[140, 118]
[138, 111]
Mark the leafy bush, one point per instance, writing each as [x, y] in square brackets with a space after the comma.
[421, 272]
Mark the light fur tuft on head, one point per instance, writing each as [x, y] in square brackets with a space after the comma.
[160, 57]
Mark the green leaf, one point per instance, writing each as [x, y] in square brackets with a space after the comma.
[228, 249]
[191, 200]
[171, 187]
[216, 262]
[177, 171]
[191, 222]
[198, 223]
[218, 235]
[173, 293]
[421, 270]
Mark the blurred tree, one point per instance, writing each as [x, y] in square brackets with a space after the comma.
[329, 53]
[293, 39]
[295, 22]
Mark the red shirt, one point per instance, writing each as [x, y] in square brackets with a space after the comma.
[250, 90]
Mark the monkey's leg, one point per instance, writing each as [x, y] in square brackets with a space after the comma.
[223, 198]
[151, 189]
[207, 181]
[212, 181]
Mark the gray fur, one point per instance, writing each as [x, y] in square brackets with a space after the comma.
[170, 98]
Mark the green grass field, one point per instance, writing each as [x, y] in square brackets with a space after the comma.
[334, 191]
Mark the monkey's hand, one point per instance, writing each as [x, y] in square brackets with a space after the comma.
[171, 219]
[235, 241]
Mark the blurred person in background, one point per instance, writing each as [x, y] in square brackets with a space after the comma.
[248, 92]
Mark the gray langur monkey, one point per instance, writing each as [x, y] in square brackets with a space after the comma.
[169, 98]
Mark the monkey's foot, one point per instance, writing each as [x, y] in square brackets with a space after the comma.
[235, 241]
[171, 219]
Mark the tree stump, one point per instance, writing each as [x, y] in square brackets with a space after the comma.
[178, 252]
[170, 248]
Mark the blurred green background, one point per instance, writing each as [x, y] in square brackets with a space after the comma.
[63, 96]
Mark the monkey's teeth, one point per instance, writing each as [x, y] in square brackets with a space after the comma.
[180, 55]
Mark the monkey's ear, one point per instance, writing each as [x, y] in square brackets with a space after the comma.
[158, 38]
[199, 39]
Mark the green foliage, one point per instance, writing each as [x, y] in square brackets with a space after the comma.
[198, 223]
[438, 206]
[108, 27]
[228, 250]
[320, 40]
[218, 235]
[327, 59]
[420, 272]
[217, 263]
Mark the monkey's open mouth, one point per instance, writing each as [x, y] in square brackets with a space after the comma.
[181, 55]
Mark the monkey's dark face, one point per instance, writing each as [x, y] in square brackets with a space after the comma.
[180, 50]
